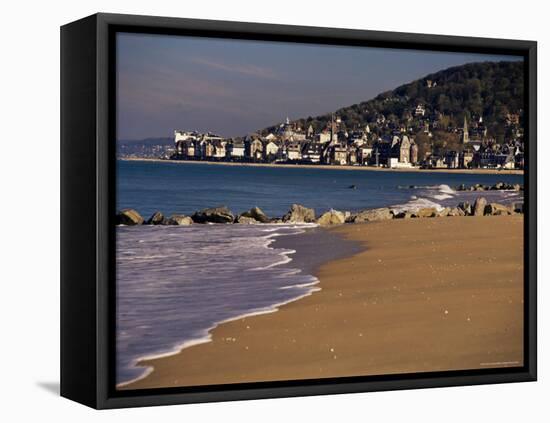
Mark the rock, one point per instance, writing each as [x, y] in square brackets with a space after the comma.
[245, 220]
[257, 214]
[404, 215]
[427, 212]
[352, 187]
[213, 215]
[179, 219]
[332, 217]
[516, 208]
[496, 209]
[443, 212]
[516, 187]
[479, 206]
[455, 211]
[128, 217]
[299, 214]
[466, 208]
[372, 215]
[157, 218]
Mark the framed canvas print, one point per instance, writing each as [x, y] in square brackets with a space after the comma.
[256, 211]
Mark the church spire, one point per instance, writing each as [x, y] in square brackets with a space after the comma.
[465, 134]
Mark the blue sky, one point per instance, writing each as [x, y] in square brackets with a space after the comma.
[233, 87]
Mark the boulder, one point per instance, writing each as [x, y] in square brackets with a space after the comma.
[466, 208]
[426, 212]
[516, 187]
[157, 218]
[372, 215]
[128, 217]
[299, 214]
[407, 214]
[257, 214]
[479, 206]
[245, 220]
[496, 209]
[332, 217]
[443, 212]
[455, 211]
[516, 208]
[213, 215]
[179, 219]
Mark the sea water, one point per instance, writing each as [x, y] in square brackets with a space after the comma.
[187, 187]
[175, 283]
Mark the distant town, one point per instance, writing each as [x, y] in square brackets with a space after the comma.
[465, 117]
[333, 145]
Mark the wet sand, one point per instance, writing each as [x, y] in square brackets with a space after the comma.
[423, 295]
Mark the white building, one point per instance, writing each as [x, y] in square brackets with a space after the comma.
[293, 152]
[271, 149]
[235, 149]
[185, 136]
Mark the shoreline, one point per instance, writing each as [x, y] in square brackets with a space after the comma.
[298, 342]
[302, 258]
[334, 167]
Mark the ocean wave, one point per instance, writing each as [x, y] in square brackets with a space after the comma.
[176, 285]
[415, 204]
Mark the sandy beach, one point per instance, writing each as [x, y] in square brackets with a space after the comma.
[423, 295]
[333, 167]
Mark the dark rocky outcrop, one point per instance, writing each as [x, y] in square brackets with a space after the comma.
[157, 218]
[213, 215]
[496, 187]
[257, 214]
[479, 206]
[299, 214]
[179, 219]
[332, 217]
[128, 217]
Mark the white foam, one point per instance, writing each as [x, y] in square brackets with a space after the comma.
[208, 333]
[415, 204]
[198, 298]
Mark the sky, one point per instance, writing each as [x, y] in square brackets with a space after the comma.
[234, 87]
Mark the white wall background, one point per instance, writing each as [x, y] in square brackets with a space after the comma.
[29, 238]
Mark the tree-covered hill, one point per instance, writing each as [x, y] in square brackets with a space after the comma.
[491, 90]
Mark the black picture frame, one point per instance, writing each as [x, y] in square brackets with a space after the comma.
[87, 210]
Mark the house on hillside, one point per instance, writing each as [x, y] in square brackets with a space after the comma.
[312, 152]
[294, 151]
[271, 151]
[254, 149]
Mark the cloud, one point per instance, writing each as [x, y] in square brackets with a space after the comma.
[248, 70]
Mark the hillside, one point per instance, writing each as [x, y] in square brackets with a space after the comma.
[487, 89]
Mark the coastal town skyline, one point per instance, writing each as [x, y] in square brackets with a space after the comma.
[235, 87]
